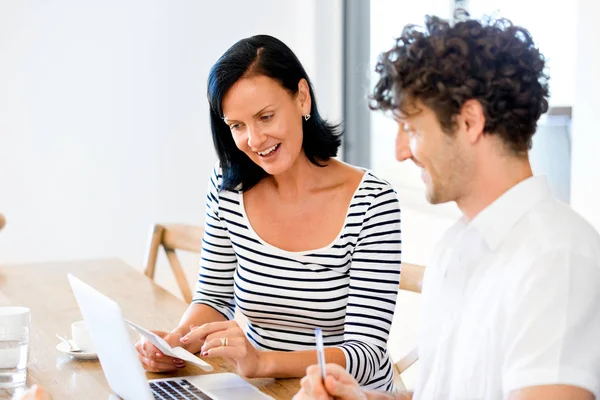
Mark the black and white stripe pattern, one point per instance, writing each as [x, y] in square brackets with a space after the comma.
[347, 289]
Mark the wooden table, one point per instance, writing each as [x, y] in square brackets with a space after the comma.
[45, 290]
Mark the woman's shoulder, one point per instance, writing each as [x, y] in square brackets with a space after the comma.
[373, 180]
[365, 178]
[215, 184]
[219, 197]
[215, 178]
[376, 191]
[370, 191]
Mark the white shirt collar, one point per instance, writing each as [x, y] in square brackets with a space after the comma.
[497, 219]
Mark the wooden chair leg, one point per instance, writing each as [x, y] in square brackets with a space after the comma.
[153, 245]
[409, 359]
[179, 275]
[398, 383]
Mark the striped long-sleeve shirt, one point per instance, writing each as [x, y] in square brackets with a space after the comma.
[348, 288]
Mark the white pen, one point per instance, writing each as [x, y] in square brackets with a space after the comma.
[320, 351]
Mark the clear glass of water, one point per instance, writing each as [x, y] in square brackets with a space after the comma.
[14, 346]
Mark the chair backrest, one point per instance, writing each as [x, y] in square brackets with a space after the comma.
[2, 221]
[174, 237]
[411, 279]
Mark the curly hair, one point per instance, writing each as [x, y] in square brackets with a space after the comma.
[443, 66]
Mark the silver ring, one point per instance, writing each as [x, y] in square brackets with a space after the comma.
[224, 342]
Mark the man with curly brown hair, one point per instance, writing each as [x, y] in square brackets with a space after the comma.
[511, 299]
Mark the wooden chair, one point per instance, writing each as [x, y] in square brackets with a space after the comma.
[174, 237]
[411, 280]
[2, 221]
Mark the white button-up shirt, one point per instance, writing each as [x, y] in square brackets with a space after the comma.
[511, 300]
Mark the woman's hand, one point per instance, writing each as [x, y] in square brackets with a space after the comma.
[226, 339]
[338, 384]
[153, 359]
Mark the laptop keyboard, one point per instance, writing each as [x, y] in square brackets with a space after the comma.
[176, 389]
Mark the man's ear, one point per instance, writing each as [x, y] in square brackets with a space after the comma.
[473, 119]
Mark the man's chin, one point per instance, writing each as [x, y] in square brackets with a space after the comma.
[434, 197]
[432, 200]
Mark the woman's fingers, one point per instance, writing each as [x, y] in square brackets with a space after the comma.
[201, 333]
[233, 348]
[154, 360]
[152, 365]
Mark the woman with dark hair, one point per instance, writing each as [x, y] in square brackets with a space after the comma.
[294, 238]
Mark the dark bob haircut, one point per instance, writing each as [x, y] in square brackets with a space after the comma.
[268, 56]
[443, 66]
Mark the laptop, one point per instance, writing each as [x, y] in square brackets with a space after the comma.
[124, 371]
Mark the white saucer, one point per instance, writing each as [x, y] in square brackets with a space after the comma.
[64, 348]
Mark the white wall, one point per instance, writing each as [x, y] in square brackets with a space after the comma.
[585, 178]
[103, 115]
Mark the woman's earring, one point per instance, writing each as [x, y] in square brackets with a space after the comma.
[306, 117]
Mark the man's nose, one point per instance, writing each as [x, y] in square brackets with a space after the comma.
[403, 151]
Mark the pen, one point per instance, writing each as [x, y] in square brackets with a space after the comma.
[320, 351]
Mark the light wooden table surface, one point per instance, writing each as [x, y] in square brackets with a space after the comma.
[45, 290]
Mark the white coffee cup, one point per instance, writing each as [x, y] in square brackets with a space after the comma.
[81, 337]
[14, 317]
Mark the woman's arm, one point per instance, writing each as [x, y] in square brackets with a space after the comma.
[293, 364]
[196, 315]
[249, 361]
[374, 279]
[214, 286]
[213, 298]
